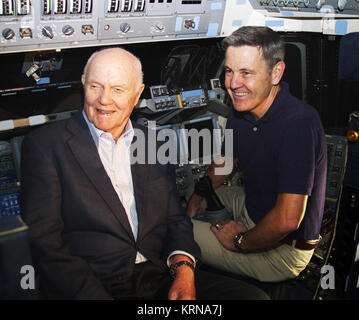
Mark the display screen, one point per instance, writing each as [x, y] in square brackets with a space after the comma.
[202, 141]
[192, 93]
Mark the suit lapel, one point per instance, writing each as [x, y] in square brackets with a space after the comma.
[85, 152]
[139, 180]
[140, 176]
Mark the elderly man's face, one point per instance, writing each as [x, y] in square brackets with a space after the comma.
[111, 91]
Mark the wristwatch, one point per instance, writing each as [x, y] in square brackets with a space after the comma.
[175, 266]
[237, 241]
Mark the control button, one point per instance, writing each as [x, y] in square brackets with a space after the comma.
[25, 33]
[47, 32]
[341, 4]
[320, 4]
[68, 30]
[125, 27]
[87, 28]
[8, 33]
[189, 24]
[159, 27]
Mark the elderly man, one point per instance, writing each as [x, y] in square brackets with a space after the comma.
[102, 227]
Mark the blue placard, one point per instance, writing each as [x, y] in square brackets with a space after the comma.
[274, 23]
[212, 29]
[236, 23]
[341, 27]
[44, 80]
[287, 13]
[216, 6]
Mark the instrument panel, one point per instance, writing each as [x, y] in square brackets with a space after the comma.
[308, 8]
[27, 25]
[334, 17]
[58, 24]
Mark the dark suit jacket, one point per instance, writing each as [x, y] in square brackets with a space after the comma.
[80, 236]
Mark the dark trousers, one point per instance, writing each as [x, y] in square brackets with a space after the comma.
[150, 282]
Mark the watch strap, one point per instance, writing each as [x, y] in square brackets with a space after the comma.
[175, 266]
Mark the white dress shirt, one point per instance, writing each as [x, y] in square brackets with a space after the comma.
[115, 158]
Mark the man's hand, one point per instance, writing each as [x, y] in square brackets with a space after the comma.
[194, 205]
[183, 287]
[226, 231]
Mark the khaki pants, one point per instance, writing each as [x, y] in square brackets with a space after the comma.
[276, 264]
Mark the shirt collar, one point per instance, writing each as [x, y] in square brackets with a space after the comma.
[96, 133]
[275, 107]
